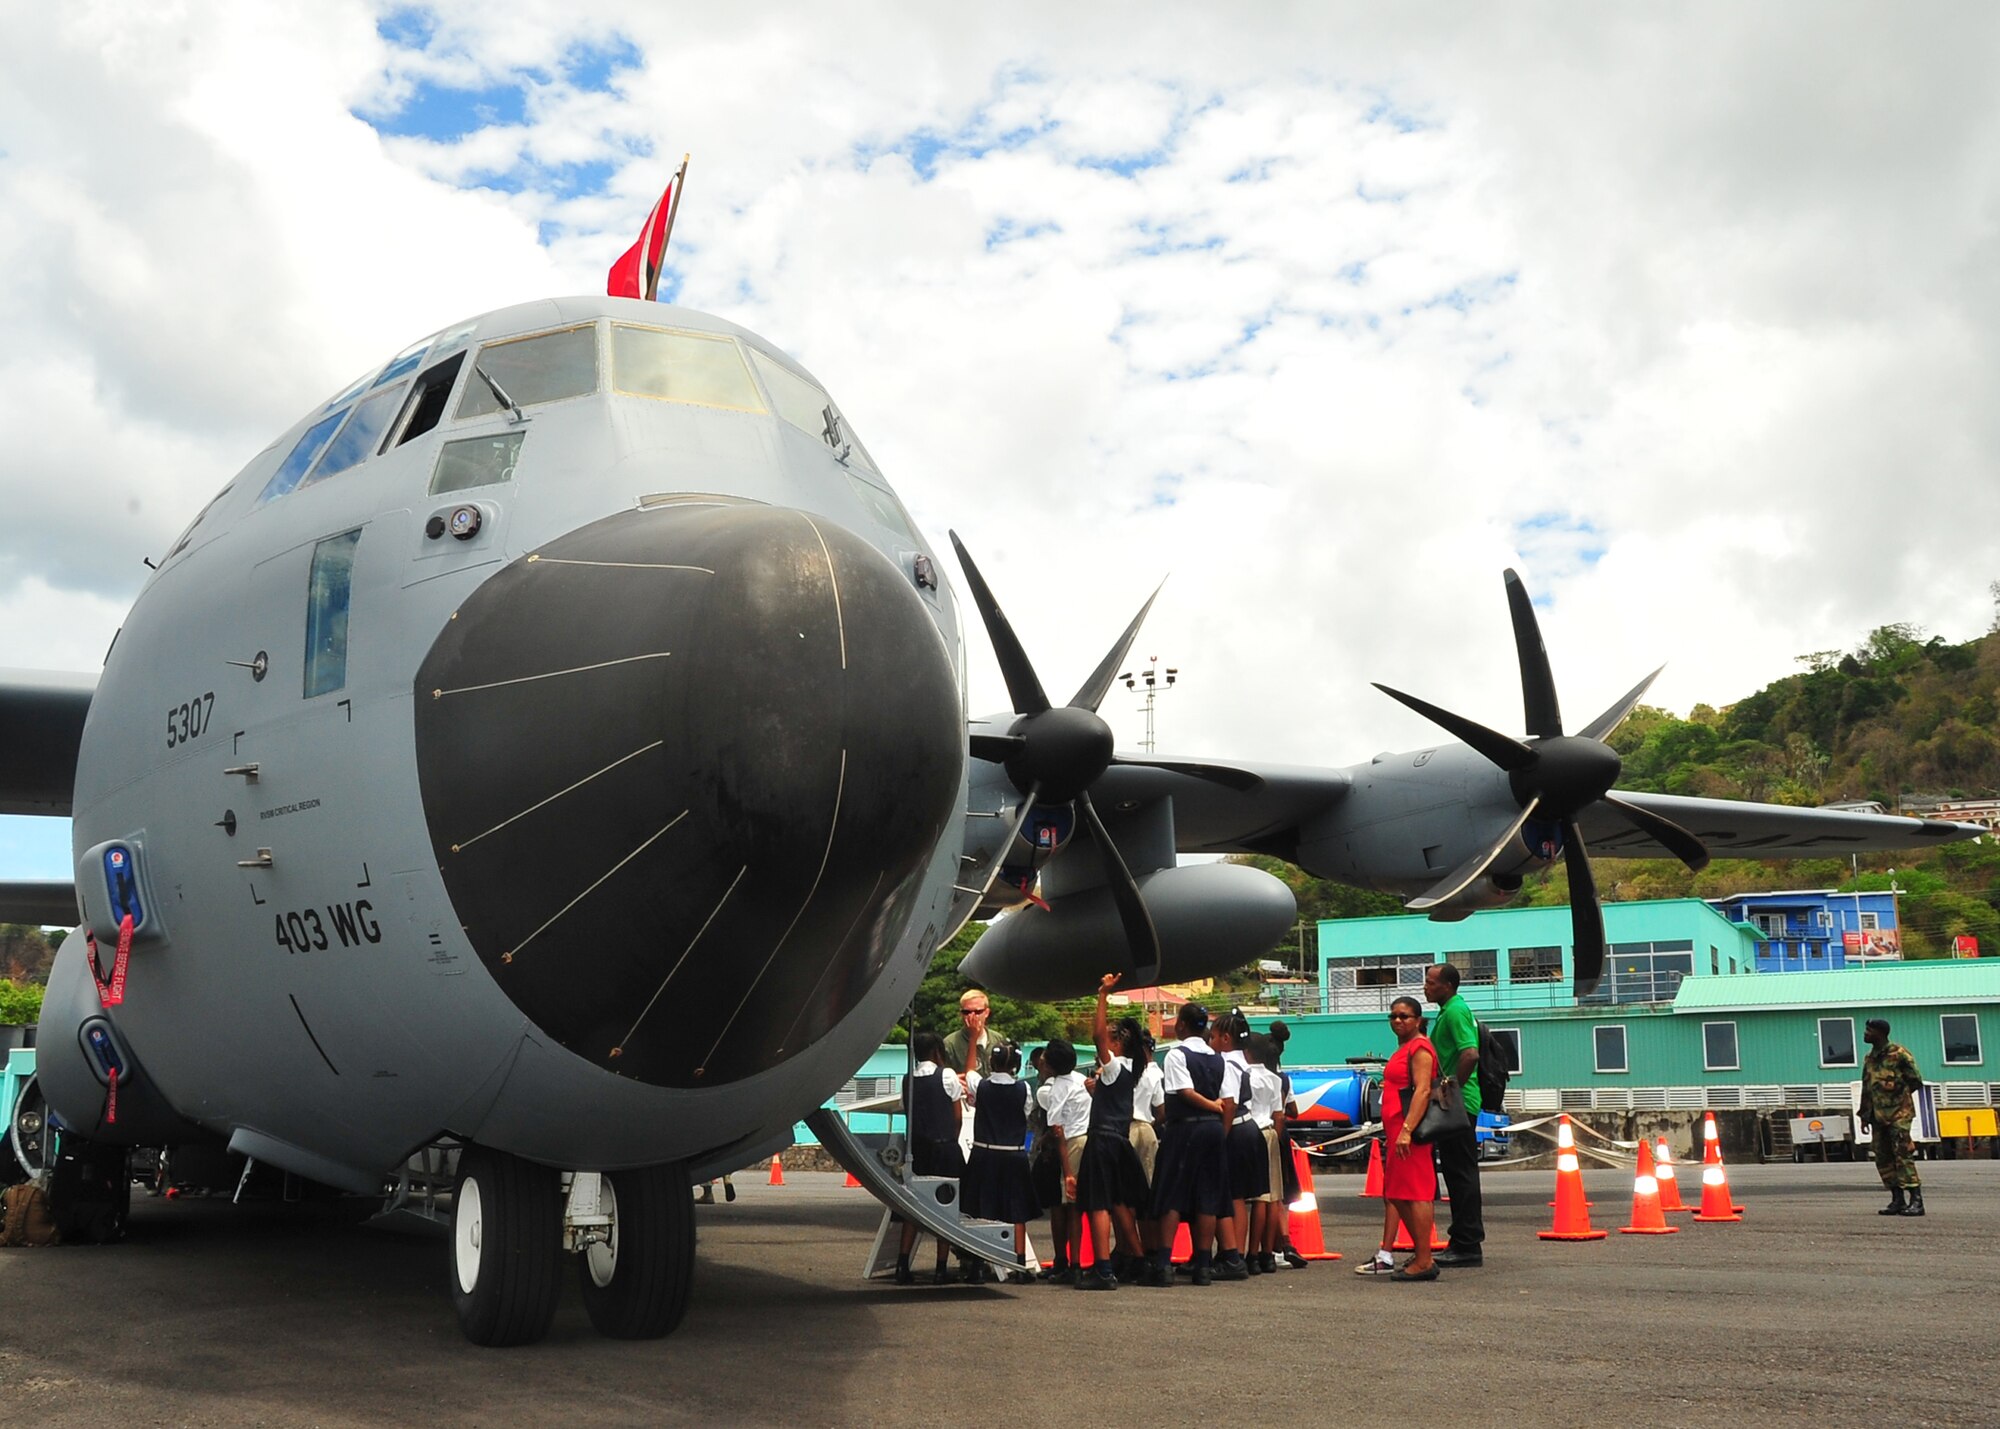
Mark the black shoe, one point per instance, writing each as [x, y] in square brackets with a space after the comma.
[1157, 1277]
[1459, 1259]
[942, 1276]
[904, 1275]
[728, 1190]
[1406, 1275]
[1063, 1277]
[1295, 1260]
[1916, 1207]
[1235, 1269]
[1091, 1281]
[1897, 1206]
[1268, 1263]
[1253, 1265]
[1202, 1276]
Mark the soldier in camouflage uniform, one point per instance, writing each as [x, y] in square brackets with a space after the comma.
[1889, 1080]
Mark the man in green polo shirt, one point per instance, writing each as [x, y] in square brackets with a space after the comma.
[1456, 1037]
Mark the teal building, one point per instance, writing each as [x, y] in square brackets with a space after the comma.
[1682, 1018]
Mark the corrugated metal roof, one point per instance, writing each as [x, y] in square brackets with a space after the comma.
[1871, 985]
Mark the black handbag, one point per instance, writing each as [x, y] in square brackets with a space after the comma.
[1444, 1116]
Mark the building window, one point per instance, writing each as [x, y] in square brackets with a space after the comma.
[1961, 1039]
[1480, 967]
[1534, 964]
[1870, 922]
[1609, 1043]
[1836, 1041]
[327, 592]
[1509, 1040]
[1718, 1046]
[1715, 962]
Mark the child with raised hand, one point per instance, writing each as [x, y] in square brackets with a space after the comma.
[1111, 1184]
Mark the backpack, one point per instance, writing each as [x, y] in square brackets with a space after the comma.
[1492, 1071]
[26, 1219]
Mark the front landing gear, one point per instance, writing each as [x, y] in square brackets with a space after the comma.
[636, 1277]
[506, 1221]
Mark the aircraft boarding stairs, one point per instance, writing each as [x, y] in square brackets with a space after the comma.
[876, 1160]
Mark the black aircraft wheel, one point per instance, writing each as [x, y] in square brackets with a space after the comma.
[635, 1285]
[506, 1240]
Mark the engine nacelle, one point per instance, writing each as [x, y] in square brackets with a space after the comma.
[1211, 918]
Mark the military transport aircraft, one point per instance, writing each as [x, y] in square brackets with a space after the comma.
[554, 748]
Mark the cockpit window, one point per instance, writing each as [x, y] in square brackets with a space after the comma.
[885, 507]
[476, 461]
[404, 362]
[350, 391]
[810, 410]
[681, 367]
[529, 370]
[356, 442]
[300, 459]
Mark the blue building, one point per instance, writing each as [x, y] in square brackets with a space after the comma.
[1816, 929]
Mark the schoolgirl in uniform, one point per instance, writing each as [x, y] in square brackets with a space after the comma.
[1249, 1164]
[998, 1185]
[933, 1101]
[1147, 1100]
[1267, 1112]
[1066, 1100]
[1111, 1184]
[1280, 1034]
[1192, 1178]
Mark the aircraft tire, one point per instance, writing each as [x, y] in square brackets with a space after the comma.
[636, 1288]
[505, 1250]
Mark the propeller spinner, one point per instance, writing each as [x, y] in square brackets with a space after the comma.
[1053, 754]
[1558, 776]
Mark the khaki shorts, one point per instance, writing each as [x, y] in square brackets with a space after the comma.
[1072, 1165]
[1146, 1142]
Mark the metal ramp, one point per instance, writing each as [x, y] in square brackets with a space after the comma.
[931, 1204]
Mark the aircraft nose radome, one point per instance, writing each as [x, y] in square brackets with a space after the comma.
[683, 769]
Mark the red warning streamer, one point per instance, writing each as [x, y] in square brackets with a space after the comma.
[112, 993]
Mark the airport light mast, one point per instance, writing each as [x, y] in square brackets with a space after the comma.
[1157, 682]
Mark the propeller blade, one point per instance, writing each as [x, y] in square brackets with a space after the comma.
[1538, 683]
[1242, 780]
[1140, 934]
[1023, 686]
[1664, 832]
[1586, 914]
[1601, 727]
[996, 748]
[1459, 878]
[984, 882]
[1507, 752]
[1094, 689]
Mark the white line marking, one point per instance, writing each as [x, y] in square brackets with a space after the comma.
[839, 619]
[456, 848]
[683, 958]
[508, 956]
[619, 565]
[573, 670]
[825, 857]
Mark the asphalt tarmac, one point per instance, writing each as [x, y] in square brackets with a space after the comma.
[1813, 1308]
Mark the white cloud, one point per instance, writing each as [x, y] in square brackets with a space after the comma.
[1709, 294]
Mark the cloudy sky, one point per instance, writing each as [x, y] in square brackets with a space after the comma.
[1329, 313]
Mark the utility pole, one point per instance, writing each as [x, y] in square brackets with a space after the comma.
[1157, 682]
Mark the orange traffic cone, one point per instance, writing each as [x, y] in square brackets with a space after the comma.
[1302, 1229]
[851, 1181]
[777, 1172]
[1647, 1218]
[1403, 1241]
[1670, 1186]
[1715, 1203]
[1371, 1184]
[1183, 1250]
[1572, 1220]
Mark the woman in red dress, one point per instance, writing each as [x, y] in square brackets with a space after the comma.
[1409, 1176]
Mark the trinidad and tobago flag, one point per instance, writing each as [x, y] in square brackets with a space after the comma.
[637, 274]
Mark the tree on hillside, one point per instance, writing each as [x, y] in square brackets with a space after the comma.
[25, 954]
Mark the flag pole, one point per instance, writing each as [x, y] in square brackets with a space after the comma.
[680, 181]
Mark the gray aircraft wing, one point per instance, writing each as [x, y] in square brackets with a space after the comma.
[41, 726]
[1733, 830]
